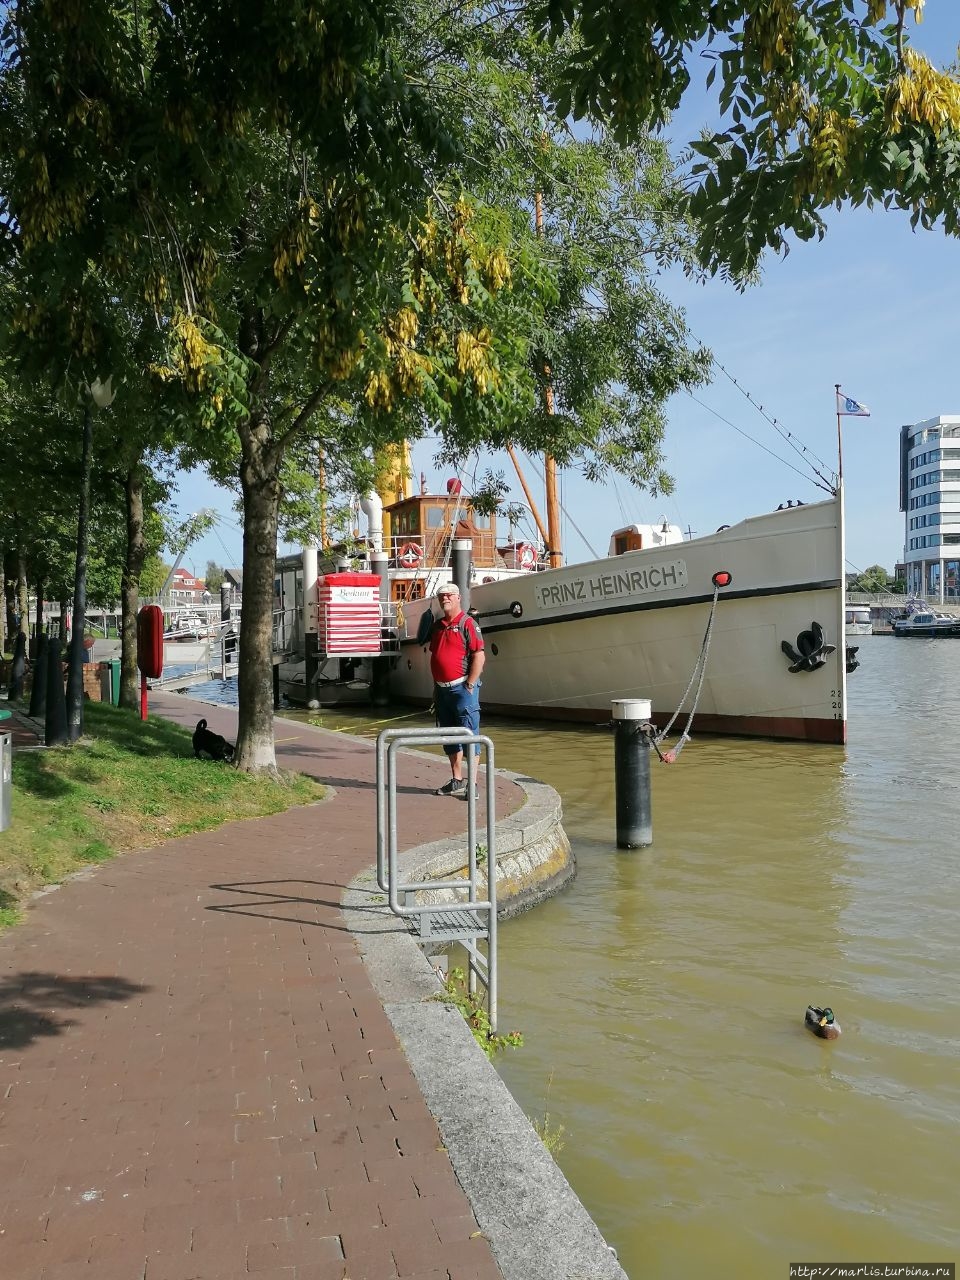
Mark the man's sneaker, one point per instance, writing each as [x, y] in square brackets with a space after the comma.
[455, 787]
[465, 794]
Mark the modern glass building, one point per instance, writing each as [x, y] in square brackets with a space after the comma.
[930, 501]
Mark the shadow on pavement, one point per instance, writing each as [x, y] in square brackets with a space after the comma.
[29, 1003]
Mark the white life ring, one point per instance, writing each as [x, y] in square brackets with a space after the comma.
[410, 555]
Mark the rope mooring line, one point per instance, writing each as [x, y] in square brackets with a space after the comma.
[698, 673]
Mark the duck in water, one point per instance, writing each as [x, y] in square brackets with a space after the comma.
[822, 1023]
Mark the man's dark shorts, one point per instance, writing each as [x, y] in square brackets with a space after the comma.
[457, 708]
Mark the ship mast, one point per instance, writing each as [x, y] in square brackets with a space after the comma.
[554, 543]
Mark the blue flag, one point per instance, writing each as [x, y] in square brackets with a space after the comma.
[850, 407]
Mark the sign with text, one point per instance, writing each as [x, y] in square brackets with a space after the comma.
[561, 589]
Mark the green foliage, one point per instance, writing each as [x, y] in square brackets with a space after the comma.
[128, 784]
[213, 578]
[550, 1134]
[456, 992]
[324, 243]
[873, 580]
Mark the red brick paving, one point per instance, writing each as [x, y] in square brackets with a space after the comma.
[197, 1081]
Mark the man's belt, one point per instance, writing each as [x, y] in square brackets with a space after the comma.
[449, 684]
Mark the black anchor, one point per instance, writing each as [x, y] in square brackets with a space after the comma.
[811, 652]
[852, 660]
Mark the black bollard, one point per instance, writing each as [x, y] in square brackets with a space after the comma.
[19, 668]
[38, 694]
[55, 732]
[632, 772]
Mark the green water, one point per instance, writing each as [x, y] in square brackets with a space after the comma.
[662, 996]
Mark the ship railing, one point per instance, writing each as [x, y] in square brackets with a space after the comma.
[453, 907]
[287, 630]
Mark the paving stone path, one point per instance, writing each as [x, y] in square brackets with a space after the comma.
[197, 1081]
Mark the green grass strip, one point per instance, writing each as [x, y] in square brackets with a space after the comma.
[127, 784]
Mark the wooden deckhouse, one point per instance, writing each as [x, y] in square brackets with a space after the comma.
[421, 533]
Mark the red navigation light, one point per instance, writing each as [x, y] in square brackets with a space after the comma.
[722, 578]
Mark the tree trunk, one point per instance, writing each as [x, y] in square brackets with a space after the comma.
[62, 629]
[130, 589]
[10, 593]
[78, 631]
[38, 628]
[23, 595]
[260, 480]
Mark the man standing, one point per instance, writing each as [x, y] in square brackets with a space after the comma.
[456, 661]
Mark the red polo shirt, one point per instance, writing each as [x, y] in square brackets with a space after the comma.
[451, 643]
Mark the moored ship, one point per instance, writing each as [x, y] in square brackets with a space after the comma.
[746, 626]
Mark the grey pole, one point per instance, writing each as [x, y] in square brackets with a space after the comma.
[380, 667]
[460, 557]
[632, 772]
[311, 642]
[379, 564]
[224, 601]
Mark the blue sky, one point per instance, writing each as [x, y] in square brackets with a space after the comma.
[873, 307]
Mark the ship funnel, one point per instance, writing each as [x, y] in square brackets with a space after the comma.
[371, 505]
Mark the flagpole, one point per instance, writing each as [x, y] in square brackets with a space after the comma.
[839, 436]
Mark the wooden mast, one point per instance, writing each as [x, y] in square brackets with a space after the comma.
[554, 542]
[528, 495]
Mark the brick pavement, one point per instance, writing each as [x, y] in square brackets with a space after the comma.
[197, 1081]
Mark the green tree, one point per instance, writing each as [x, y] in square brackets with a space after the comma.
[873, 580]
[301, 191]
[213, 577]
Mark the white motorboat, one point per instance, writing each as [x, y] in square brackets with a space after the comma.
[858, 620]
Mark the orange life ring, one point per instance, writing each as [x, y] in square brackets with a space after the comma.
[410, 555]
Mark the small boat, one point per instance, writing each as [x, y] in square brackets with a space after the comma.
[921, 620]
[857, 620]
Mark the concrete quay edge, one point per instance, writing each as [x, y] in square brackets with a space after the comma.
[536, 1225]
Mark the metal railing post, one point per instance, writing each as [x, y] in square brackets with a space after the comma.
[441, 921]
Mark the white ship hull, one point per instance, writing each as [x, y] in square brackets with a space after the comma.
[562, 644]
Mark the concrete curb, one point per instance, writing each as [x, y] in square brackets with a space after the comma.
[537, 1227]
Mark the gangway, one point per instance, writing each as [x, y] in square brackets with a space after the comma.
[468, 916]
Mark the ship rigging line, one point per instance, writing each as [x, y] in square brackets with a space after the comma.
[583, 536]
[788, 436]
[821, 482]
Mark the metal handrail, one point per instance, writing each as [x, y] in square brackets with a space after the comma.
[389, 742]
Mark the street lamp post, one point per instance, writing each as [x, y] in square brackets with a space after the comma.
[101, 393]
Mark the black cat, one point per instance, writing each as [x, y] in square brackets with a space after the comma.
[208, 743]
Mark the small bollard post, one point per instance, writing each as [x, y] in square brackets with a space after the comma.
[632, 772]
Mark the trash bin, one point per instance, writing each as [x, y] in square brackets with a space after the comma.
[6, 772]
[114, 665]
